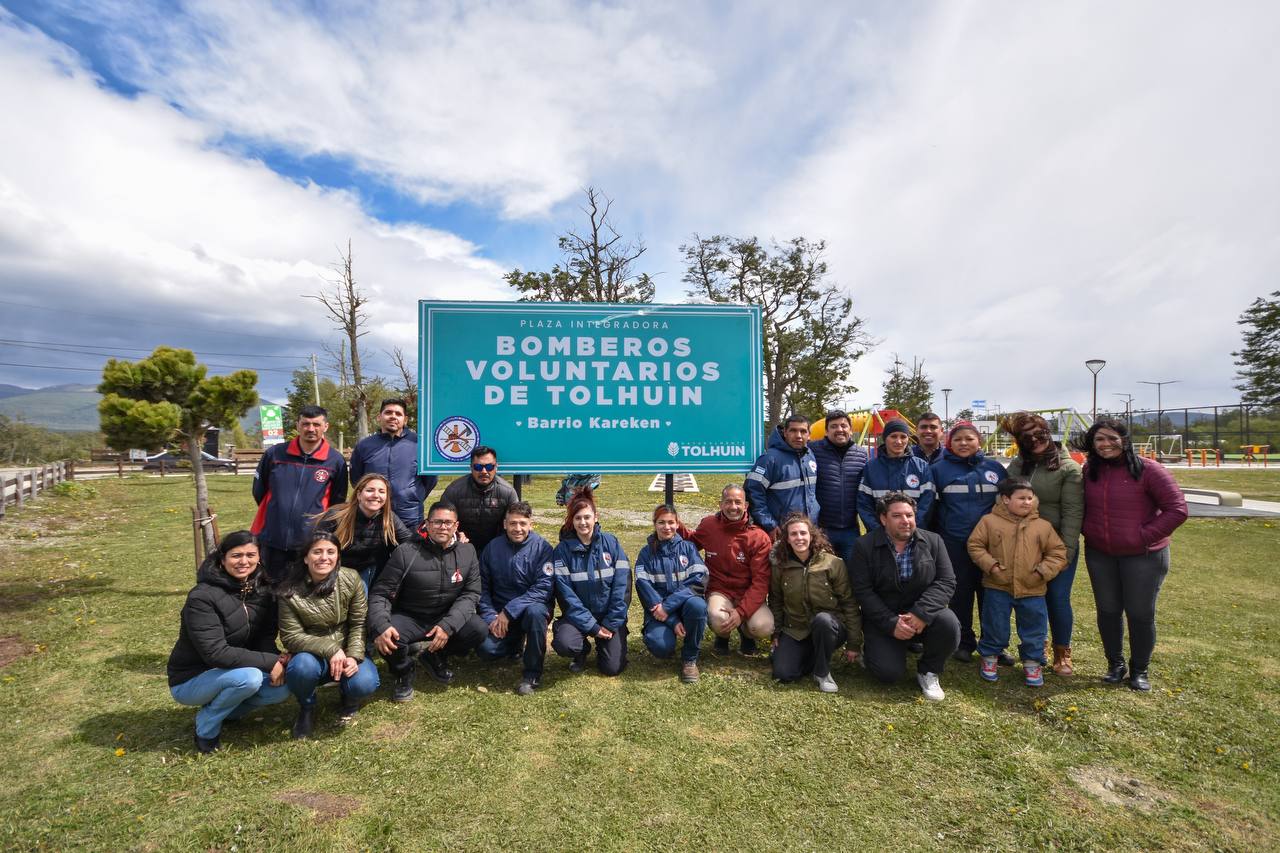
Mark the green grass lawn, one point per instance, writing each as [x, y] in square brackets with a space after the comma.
[98, 756]
[1262, 484]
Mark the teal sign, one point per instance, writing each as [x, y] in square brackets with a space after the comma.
[561, 387]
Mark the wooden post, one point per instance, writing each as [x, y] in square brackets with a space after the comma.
[669, 489]
[120, 468]
[71, 469]
[18, 490]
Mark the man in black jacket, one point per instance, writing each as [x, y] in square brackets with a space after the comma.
[903, 581]
[428, 591]
[481, 498]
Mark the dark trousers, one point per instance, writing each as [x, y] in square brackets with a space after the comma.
[529, 633]
[968, 588]
[275, 562]
[411, 630]
[611, 654]
[1127, 587]
[794, 658]
[886, 655]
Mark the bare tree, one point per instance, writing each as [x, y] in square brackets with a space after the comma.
[409, 386]
[345, 303]
[599, 265]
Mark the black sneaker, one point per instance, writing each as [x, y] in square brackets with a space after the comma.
[1003, 660]
[721, 646]
[306, 721]
[579, 662]
[527, 686]
[438, 666]
[347, 713]
[748, 646]
[963, 655]
[208, 745]
[403, 689]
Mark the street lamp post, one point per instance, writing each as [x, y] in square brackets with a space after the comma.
[1095, 365]
[1159, 402]
[1128, 408]
[946, 405]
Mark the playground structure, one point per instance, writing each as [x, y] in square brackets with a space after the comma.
[1162, 448]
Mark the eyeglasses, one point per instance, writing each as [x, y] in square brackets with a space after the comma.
[488, 466]
[441, 522]
[1036, 433]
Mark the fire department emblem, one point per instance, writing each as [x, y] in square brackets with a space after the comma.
[456, 437]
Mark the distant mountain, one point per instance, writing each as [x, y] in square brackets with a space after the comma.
[71, 408]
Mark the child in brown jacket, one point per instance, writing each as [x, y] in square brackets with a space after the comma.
[1018, 553]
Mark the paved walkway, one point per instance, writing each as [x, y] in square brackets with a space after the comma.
[1203, 506]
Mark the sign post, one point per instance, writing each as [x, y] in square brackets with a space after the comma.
[272, 424]
[590, 387]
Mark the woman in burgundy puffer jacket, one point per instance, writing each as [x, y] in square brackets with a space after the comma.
[1131, 506]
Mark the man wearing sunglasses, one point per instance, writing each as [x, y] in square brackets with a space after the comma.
[482, 498]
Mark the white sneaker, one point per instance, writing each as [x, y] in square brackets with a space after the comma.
[825, 683]
[929, 686]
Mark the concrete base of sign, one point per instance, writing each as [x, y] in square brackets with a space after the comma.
[683, 483]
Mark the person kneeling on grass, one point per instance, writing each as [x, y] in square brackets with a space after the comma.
[322, 616]
[670, 580]
[1018, 553]
[225, 660]
[517, 580]
[593, 585]
[812, 603]
[428, 591]
[902, 578]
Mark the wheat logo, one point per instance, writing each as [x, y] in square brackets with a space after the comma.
[673, 449]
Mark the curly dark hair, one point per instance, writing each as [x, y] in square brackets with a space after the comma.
[818, 540]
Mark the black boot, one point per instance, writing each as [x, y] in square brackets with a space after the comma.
[208, 745]
[305, 723]
[721, 646]
[347, 713]
[1139, 681]
[579, 662]
[403, 689]
[438, 666]
[1116, 673]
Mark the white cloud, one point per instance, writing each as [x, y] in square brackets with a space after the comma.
[1033, 185]
[121, 205]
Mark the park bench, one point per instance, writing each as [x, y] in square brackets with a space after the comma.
[1223, 498]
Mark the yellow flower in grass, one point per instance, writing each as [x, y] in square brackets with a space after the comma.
[119, 751]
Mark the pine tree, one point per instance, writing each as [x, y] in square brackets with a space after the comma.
[1259, 360]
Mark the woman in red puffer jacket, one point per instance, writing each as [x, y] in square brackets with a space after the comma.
[1131, 507]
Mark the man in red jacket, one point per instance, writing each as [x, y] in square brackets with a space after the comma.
[737, 555]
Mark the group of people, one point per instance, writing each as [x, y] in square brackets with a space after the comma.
[820, 548]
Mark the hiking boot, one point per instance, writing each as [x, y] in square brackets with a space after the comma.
[1139, 681]
[1033, 671]
[347, 713]
[1062, 661]
[987, 668]
[689, 672]
[437, 666]
[306, 721]
[527, 686]
[930, 687]
[721, 645]
[1116, 673]
[826, 683]
[403, 689]
[208, 745]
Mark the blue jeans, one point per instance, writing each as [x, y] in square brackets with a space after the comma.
[529, 633]
[660, 637]
[1058, 600]
[226, 694]
[842, 539]
[306, 672]
[1033, 624]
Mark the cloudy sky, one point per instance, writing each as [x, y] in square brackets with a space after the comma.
[1006, 189]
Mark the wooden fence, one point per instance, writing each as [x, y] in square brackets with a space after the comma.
[19, 486]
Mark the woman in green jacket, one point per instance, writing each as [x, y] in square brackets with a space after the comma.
[322, 616]
[1057, 482]
[812, 603]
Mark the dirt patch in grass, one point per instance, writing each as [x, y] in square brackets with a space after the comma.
[326, 806]
[724, 737]
[12, 648]
[1118, 789]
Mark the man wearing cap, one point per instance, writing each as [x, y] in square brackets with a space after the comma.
[895, 469]
[928, 444]
[785, 477]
